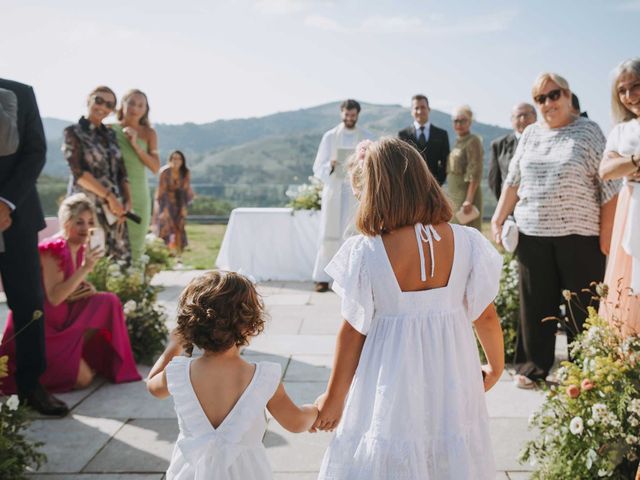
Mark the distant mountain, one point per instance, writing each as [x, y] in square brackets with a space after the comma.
[251, 161]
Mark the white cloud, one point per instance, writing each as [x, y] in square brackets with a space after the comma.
[285, 7]
[398, 24]
[629, 6]
[435, 25]
[323, 23]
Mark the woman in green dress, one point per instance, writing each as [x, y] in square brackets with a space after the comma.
[139, 146]
[464, 168]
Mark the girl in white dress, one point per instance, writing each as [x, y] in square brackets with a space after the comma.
[406, 370]
[219, 397]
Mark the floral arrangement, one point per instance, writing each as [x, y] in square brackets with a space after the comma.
[16, 452]
[508, 304]
[146, 320]
[589, 425]
[307, 196]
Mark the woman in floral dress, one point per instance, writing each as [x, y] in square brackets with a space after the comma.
[173, 195]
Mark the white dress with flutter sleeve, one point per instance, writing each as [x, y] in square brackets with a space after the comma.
[234, 450]
[416, 407]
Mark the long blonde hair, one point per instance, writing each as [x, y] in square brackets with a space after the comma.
[619, 112]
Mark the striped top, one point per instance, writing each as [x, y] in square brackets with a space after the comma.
[556, 172]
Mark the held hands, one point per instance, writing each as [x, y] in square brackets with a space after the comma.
[330, 413]
[467, 206]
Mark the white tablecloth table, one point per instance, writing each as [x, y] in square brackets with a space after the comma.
[271, 243]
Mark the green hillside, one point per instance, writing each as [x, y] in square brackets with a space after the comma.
[251, 161]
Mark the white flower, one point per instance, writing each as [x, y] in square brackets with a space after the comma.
[599, 411]
[144, 259]
[633, 421]
[13, 402]
[130, 307]
[576, 426]
[631, 439]
[603, 472]
[590, 422]
[592, 456]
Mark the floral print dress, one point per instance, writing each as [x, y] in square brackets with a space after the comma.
[95, 150]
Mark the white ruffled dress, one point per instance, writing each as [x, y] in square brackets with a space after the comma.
[234, 450]
[416, 408]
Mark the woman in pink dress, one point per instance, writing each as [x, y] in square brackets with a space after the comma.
[622, 160]
[85, 330]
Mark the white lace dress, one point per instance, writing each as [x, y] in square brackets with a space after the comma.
[234, 450]
[416, 408]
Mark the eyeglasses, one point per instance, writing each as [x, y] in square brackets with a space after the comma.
[460, 120]
[101, 101]
[553, 95]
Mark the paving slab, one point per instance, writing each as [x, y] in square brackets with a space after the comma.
[295, 476]
[279, 325]
[519, 475]
[139, 446]
[506, 400]
[295, 452]
[309, 368]
[508, 436]
[286, 299]
[294, 344]
[305, 392]
[69, 443]
[125, 401]
[99, 476]
[321, 325]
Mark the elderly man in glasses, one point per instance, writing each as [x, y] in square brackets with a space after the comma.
[503, 148]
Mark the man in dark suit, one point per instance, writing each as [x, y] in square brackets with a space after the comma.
[503, 148]
[432, 142]
[20, 220]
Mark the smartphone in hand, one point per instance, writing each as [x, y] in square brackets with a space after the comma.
[96, 238]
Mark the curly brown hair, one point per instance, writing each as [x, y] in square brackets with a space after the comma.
[219, 310]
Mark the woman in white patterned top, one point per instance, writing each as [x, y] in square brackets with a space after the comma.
[564, 213]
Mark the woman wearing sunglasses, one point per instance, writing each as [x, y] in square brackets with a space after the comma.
[564, 212]
[97, 169]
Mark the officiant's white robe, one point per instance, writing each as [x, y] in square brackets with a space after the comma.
[338, 202]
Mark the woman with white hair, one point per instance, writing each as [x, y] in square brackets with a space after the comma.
[464, 170]
[85, 330]
[622, 160]
[564, 212]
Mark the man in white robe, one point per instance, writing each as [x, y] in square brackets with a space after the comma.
[338, 202]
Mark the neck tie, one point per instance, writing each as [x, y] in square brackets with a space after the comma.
[422, 140]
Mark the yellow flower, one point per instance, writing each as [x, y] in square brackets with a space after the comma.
[4, 366]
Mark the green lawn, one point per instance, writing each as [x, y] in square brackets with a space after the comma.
[204, 245]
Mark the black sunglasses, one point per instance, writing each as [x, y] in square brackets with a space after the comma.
[553, 95]
[101, 101]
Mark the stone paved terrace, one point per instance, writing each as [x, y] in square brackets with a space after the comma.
[120, 432]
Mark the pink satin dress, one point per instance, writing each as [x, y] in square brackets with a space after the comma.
[99, 318]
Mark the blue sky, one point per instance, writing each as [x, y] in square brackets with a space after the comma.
[203, 60]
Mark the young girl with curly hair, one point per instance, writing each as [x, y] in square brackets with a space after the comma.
[220, 397]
